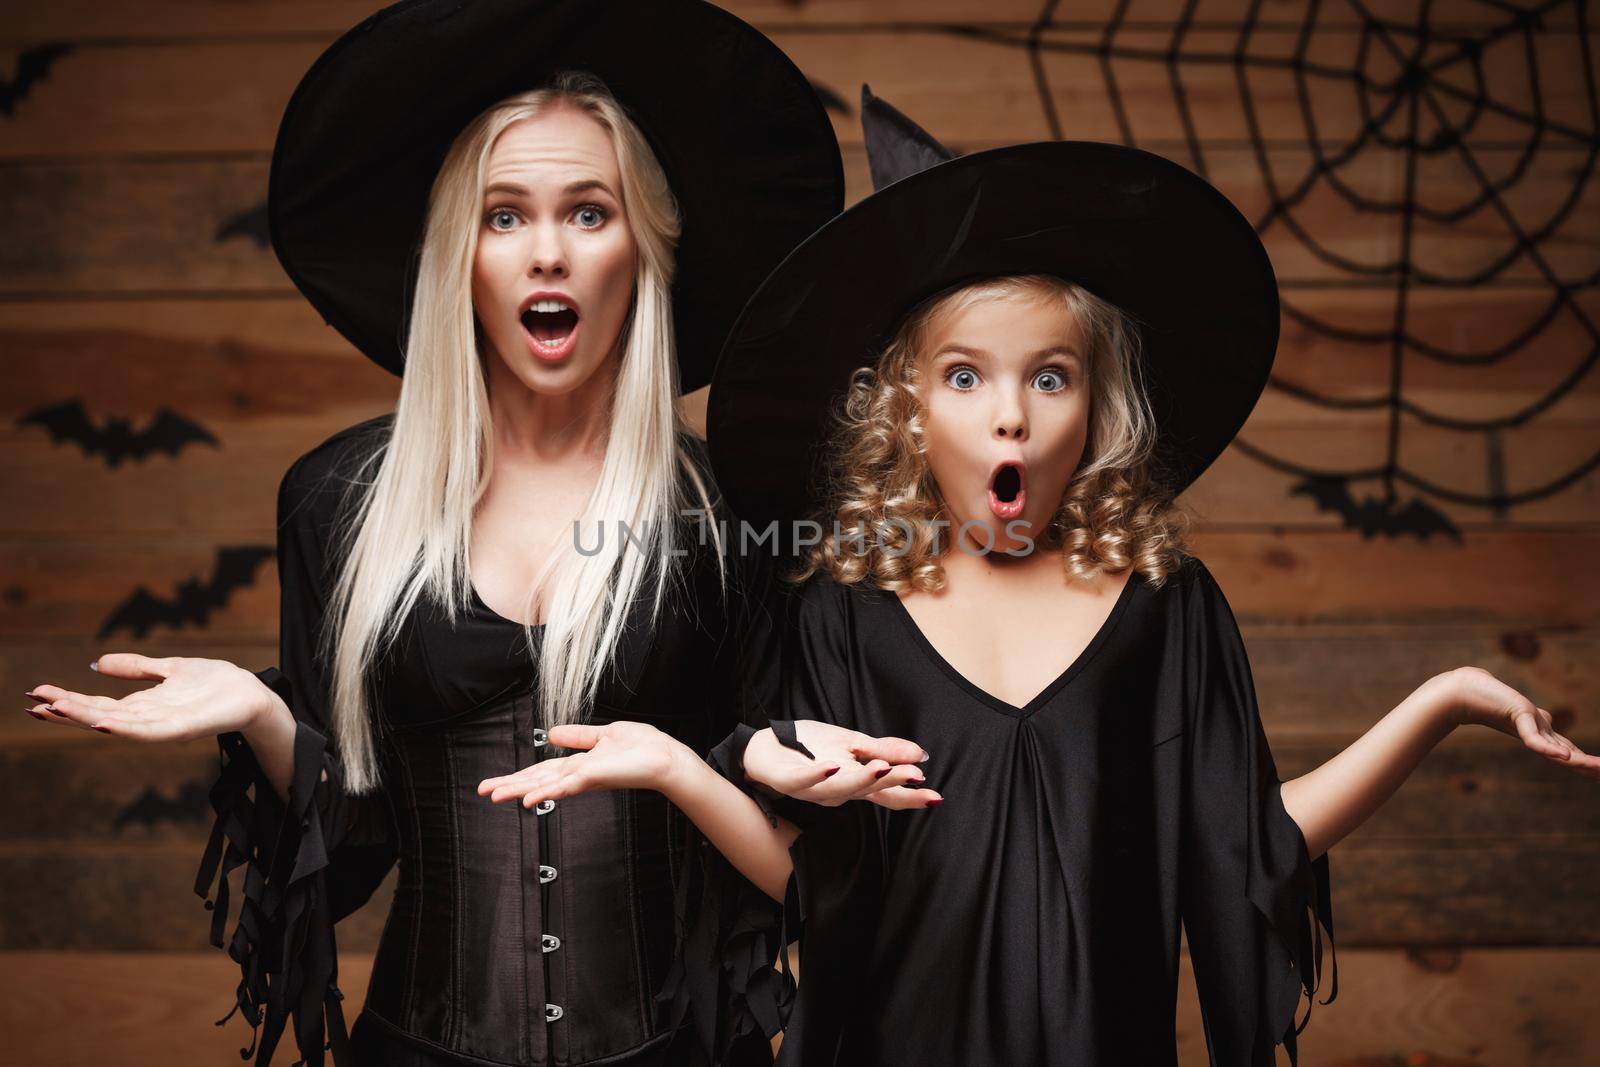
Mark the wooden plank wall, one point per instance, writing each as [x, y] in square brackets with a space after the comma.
[134, 277]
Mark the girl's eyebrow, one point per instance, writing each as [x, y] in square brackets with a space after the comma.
[960, 350]
[1063, 351]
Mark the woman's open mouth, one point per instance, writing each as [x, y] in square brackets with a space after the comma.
[1008, 491]
[551, 326]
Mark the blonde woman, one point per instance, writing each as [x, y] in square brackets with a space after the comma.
[515, 547]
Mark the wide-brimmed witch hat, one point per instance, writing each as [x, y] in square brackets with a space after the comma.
[1135, 229]
[745, 142]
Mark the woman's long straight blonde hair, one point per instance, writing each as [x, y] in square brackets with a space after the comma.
[408, 537]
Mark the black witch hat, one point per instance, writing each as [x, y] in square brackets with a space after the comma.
[1135, 229]
[746, 145]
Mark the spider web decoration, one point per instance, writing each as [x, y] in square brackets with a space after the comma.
[1424, 88]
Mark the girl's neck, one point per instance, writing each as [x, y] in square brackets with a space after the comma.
[997, 570]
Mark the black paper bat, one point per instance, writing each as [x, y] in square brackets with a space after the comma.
[1373, 516]
[251, 224]
[168, 432]
[192, 803]
[194, 600]
[33, 66]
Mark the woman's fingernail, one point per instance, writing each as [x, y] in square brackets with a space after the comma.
[95, 666]
[915, 782]
[935, 803]
[924, 758]
[881, 773]
[102, 729]
[830, 772]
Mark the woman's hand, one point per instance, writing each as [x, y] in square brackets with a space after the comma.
[849, 765]
[193, 698]
[618, 755]
[1473, 695]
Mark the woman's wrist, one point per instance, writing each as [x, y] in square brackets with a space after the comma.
[270, 718]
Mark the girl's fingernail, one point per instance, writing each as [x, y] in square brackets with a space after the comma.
[915, 782]
[95, 666]
[935, 803]
[830, 772]
[881, 773]
[924, 758]
[103, 729]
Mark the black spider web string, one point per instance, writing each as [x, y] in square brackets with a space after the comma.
[1418, 91]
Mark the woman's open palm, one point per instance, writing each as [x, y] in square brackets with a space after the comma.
[618, 755]
[193, 698]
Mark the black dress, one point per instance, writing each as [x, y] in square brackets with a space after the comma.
[596, 929]
[1034, 917]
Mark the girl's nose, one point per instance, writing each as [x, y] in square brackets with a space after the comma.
[1012, 429]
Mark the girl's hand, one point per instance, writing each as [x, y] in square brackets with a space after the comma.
[619, 755]
[849, 765]
[194, 698]
[1473, 695]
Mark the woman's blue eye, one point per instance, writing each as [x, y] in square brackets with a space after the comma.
[1050, 381]
[590, 216]
[499, 213]
[962, 378]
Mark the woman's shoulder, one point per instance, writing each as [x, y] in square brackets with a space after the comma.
[318, 483]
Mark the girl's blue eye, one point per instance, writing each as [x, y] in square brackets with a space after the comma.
[500, 213]
[590, 216]
[962, 378]
[1050, 381]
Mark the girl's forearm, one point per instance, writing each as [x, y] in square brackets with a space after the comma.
[732, 822]
[1340, 795]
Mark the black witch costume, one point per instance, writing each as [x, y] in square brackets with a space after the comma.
[594, 930]
[1035, 917]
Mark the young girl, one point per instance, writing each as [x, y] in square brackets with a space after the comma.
[1073, 333]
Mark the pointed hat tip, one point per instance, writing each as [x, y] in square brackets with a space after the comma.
[896, 147]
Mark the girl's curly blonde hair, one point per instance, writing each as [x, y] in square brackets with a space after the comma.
[881, 500]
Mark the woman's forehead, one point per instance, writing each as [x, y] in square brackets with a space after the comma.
[552, 149]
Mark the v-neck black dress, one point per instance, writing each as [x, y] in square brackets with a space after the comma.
[596, 929]
[1034, 917]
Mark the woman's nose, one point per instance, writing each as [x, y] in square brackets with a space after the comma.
[548, 259]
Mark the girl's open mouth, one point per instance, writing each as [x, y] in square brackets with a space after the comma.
[551, 327]
[1008, 491]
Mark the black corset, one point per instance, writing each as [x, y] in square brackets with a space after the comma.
[521, 936]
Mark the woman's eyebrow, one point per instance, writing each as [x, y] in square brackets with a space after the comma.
[572, 188]
[588, 184]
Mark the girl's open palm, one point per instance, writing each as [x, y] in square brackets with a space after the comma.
[194, 698]
[1480, 697]
[849, 765]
